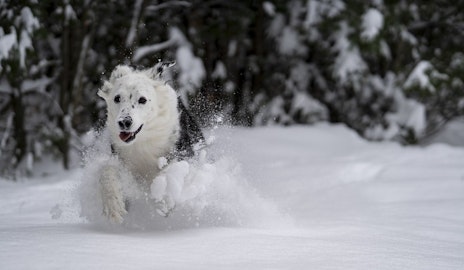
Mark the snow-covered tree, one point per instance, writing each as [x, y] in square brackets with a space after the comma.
[288, 95]
[367, 73]
[387, 69]
[18, 84]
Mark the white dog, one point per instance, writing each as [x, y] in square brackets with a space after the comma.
[146, 121]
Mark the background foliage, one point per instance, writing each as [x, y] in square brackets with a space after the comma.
[389, 70]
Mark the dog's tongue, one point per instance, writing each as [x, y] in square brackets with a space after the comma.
[124, 136]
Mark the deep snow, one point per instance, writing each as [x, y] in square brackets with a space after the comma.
[314, 197]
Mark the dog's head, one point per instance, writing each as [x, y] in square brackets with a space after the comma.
[134, 100]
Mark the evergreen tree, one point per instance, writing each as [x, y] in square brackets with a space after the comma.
[18, 67]
[387, 69]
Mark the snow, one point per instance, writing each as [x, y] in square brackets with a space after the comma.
[308, 106]
[276, 26]
[38, 85]
[175, 37]
[289, 43]
[232, 48]
[452, 133]
[220, 71]
[419, 76]
[411, 114]
[385, 50]
[269, 8]
[7, 43]
[315, 197]
[30, 23]
[272, 112]
[349, 61]
[135, 19]
[27, 23]
[143, 51]
[192, 71]
[372, 23]
[408, 115]
[69, 13]
[25, 44]
[311, 14]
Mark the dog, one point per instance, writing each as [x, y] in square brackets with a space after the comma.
[146, 121]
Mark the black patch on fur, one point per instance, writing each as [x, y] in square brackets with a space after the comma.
[162, 66]
[190, 133]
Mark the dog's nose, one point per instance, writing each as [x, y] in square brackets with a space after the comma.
[125, 123]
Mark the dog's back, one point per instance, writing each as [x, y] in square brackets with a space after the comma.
[190, 133]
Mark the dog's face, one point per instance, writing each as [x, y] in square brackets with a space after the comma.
[131, 102]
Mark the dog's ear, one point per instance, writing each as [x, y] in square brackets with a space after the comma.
[157, 71]
[105, 90]
[119, 71]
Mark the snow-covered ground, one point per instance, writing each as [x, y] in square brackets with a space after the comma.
[314, 197]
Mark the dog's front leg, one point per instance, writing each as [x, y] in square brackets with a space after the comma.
[112, 195]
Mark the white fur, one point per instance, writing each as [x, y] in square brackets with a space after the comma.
[160, 131]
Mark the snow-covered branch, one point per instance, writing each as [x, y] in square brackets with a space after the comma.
[134, 22]
[150, 49]
[154, 8]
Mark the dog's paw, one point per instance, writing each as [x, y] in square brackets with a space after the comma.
[114, 209]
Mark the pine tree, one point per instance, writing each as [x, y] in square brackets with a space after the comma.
[17, 29]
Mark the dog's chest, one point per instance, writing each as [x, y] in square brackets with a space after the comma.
[142, 161]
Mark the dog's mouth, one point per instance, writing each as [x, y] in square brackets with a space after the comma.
[127, 137]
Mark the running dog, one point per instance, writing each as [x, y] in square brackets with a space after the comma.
[146, 121]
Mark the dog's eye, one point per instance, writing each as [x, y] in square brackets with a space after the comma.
[142, 100]
[117, 99]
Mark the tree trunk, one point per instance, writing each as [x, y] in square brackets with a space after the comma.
[65, 93]
[19, 125]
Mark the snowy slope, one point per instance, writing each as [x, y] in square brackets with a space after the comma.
[308, 198]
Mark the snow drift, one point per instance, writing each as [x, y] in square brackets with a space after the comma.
[353, 205]
[209, 189]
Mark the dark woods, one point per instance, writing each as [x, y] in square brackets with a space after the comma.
[387, 69]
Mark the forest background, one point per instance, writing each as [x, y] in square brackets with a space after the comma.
[390, 70]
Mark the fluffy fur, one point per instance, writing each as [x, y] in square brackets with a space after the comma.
[144, 120]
